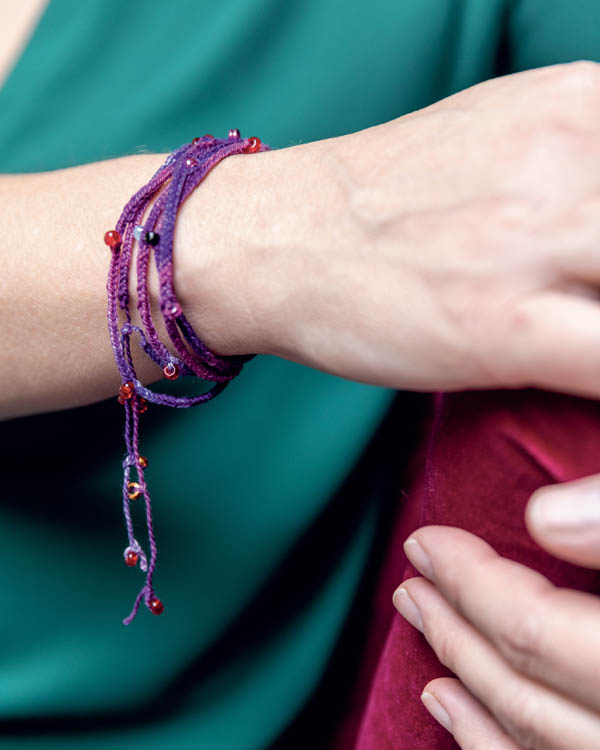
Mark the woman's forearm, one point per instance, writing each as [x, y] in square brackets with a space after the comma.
[55, 348]
[53, 331]
[452, 248]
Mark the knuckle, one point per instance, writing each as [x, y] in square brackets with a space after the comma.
[558, 136]
[508, 213]
[549, 152]
[520, 324]
[579, 84]
[570, 93]
[454, 582]
[552, 141]
[581, 73]
[519, 715]
[520, 641]
[573, 76]
[445, 646]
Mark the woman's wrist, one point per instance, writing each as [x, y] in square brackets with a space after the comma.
[243, 245]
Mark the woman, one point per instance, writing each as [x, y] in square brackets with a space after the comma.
[293, 236]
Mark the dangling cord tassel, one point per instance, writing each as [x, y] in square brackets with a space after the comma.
[132, 490]
[185, 168]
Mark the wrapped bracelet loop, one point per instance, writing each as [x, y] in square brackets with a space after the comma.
[180, 174]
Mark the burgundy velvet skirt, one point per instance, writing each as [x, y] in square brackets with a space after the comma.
[479, 457]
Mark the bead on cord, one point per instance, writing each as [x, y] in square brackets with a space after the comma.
[183, 170]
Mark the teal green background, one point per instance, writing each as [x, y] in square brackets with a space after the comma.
[238, 482]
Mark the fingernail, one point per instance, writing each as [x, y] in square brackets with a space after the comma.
[436, 709]
[418, 557]
[407, 608]
[567, 509]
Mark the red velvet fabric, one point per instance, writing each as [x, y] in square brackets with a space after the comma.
[481, 456]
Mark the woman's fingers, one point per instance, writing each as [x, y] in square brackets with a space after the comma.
[472, 725]
[565, 520]
[548, 634]
[533, 715]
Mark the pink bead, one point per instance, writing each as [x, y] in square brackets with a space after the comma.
[234, 133]
[171, 371]
[173, 309]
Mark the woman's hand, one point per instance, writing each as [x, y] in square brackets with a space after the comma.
[455, 247]
[527, 654]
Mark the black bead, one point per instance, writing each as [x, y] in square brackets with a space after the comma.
[152, 238]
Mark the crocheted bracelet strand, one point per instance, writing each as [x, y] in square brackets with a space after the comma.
[183, 170]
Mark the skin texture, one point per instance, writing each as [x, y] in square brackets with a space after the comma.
[462, 251]
[53, 328]
[503, 629]
[454, 247]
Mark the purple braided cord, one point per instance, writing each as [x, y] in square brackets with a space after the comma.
[180, 174]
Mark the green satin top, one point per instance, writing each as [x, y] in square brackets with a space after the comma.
[252, 613]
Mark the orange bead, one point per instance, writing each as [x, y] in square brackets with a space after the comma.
[253, 146]
[133, 490]
[126, 391]
[143, 461]
[156, 606]
[171, 371]
[131, 558]
[113, 239]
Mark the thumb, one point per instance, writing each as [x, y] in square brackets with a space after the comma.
[565, 520]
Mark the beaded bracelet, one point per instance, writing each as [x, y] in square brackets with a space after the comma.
[183, 170]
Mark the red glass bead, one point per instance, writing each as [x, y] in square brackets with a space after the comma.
[171, 371]
[253, 146]
[208, 135]
[120, 399]
[143, 461]
[191, 162]
[156, 606]
[195, 140]
[131, 558]
[112, 239]
[126, 391]
[141, 405]
[133, 490]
